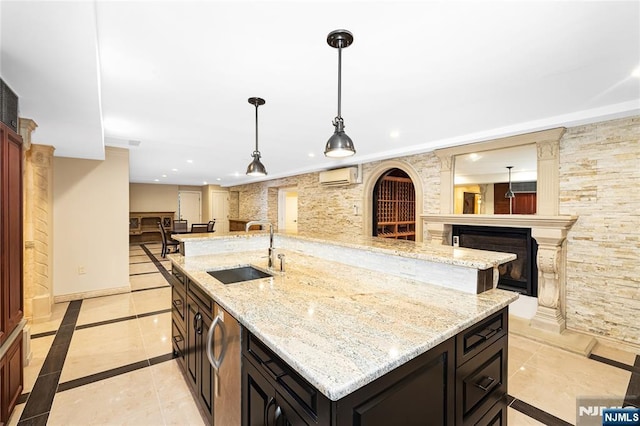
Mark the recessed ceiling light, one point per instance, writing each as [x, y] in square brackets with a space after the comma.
[636, 72]
[394, 134]
[204, 183]
[236, 174]
[311, 154]
[164, 175]
[174, 170]
[218, 179]
[189, 161]
[156, 180]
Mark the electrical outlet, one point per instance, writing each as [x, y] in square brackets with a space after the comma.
[81, 270]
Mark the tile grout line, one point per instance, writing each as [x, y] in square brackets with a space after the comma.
[632, 396]
[166, 274]
[40, 399]
[536, 413]
[621, 365]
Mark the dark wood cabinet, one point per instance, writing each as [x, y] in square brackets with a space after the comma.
[199, 370]
[421, 389]
[10, 231]
[11, 377]
[11, 269]
[461, 381]
[143, 226]
[217, 391]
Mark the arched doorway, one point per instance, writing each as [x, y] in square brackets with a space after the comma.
[394, 206]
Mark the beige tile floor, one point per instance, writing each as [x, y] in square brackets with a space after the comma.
[547, 378]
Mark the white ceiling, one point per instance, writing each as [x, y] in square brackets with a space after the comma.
[175, 76]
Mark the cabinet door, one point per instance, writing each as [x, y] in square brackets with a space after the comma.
[421, 390]
[205, 380]
[11, 375]
[11, 232]
[194, 329]
[257, 395]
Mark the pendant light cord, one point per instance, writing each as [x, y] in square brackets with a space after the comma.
[339, 81]
[257, 128]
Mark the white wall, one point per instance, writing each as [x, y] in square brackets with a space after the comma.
[91, 225]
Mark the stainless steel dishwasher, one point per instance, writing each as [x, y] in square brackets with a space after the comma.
[223, 352]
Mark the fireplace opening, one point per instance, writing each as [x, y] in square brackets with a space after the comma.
[519, 275]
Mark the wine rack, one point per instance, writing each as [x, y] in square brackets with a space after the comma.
[396, 216]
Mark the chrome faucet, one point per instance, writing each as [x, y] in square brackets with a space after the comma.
[271, 249]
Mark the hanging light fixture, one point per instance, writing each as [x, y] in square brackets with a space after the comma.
[510, 195]
[339, 145]
[256, 168]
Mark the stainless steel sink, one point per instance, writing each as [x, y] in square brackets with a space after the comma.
[236, 275]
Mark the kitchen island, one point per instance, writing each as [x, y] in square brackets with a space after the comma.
[340, 328]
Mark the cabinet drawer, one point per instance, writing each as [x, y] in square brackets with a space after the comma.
[178, 343]
[200, 297]
[180, 279]
[178, 306]
[481, 382]
[290, 383]
[478, 337]
[496, 416]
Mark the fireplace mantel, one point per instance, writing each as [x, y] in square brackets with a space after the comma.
[510, 220]
[550, 232]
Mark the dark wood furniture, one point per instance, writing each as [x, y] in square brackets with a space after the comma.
[199, 228]
[193, 312]
[143, 226]
[396, 208]
[462, 381]
[167, 242]
[11, 274]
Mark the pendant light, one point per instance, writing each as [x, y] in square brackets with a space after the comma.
[510, 195]
[256, 168]
[339, 145]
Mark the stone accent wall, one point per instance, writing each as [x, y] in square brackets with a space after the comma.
[330, 209]
[599, 182]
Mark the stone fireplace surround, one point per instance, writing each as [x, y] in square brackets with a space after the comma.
[547, 227]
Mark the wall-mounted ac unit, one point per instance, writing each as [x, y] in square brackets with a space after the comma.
[336, 177]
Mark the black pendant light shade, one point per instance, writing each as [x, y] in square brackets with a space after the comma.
[339, 145]
[509, 193]
[256, 168]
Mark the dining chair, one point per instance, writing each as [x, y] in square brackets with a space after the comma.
[167, 242]
[197, 228]
[210, 225]
[180, 225]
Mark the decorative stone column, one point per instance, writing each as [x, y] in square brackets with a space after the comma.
[38, 225]
[551, 311]
[550, 232]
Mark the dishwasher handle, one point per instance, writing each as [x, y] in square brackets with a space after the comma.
[215, 363]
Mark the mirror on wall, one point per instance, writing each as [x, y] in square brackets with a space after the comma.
[481, 181]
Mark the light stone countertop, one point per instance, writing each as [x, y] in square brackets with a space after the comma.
[479, 259]
[340, 327]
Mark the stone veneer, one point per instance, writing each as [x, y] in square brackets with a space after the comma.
[599, 169]
[599, 180]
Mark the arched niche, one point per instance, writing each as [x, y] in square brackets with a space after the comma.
[370, 183]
